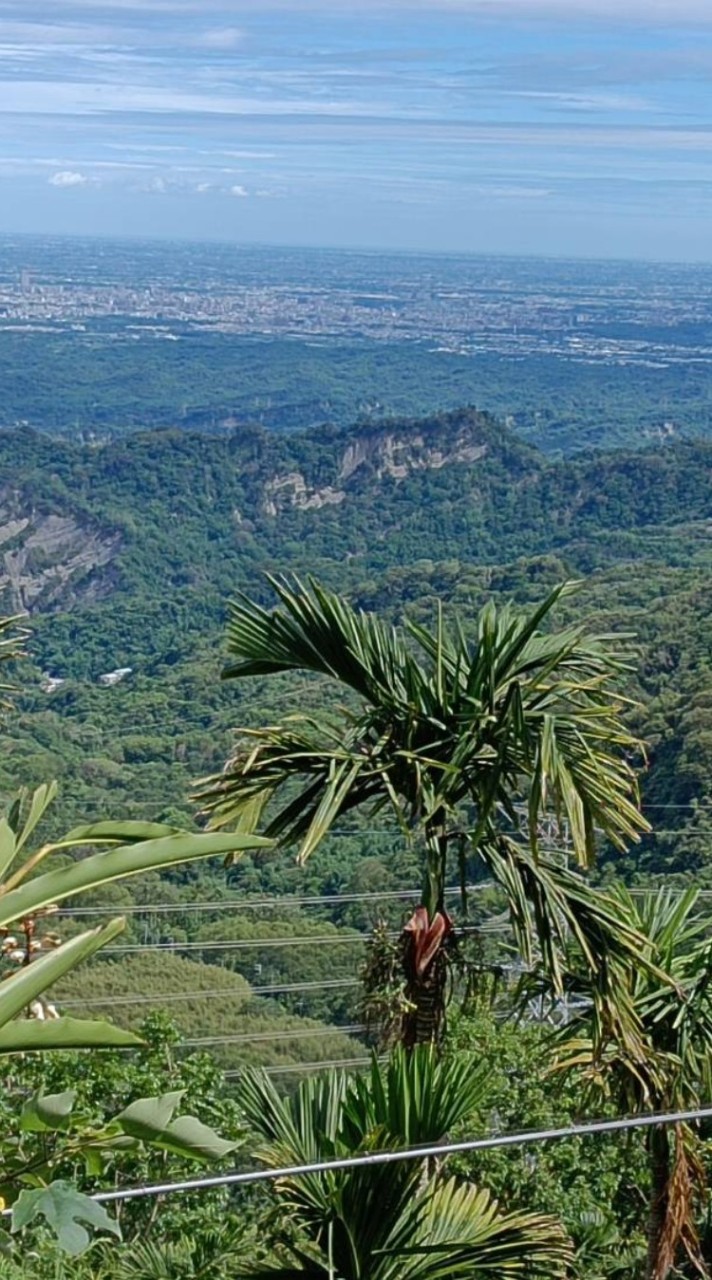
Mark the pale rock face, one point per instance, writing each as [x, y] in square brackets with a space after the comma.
[45, 559]
[291, 490]
[397, 456]
[386, 452]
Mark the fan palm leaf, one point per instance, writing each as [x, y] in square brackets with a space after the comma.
[395, 1221]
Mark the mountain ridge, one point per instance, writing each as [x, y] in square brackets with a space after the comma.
[81, 523]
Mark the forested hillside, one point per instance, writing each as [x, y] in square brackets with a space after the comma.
[125, 556]
[108, 383]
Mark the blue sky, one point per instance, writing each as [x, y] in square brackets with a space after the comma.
[574, 127]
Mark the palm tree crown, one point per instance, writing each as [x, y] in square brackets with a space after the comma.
[455, 736]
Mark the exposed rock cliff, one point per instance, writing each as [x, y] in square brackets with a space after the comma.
[48, 560]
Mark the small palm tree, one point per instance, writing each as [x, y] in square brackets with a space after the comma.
[671, 993]
[212, 1255]
[454, 736]
[404, 1220]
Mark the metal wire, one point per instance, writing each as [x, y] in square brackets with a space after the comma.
[493, 925]
[249, 904]
[253, 1037]
[214, 993]
[298, 1068]
[437, 1151]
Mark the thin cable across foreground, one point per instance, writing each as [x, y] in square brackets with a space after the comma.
[301, 1068]
[242, 1178]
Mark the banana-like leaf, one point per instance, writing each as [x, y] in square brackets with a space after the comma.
[118, 864]
[12, 634]
[96, 833]
[8, 845]
[25, 985]
[151, 1120]
[25, 1035]
[47, 1112]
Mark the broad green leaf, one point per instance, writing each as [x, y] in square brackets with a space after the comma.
[8, 846]
[25, 985]
[23, 1035]
[147, 1117]
[151, 1120]
[117, 833]
[190, 1138]
[65, 1210]
[40, 801]
[117, 864]
[47, 1113]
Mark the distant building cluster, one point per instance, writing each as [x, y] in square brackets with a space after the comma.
[50, 684]
[463, 310]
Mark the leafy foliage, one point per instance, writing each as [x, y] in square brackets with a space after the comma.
[389, 1220]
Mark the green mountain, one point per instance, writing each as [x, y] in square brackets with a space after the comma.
[125, 554]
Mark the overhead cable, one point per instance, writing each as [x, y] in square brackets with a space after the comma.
[494, 925]
[250, 1037]
[273, 900]
[214, 993]
[436, 1151]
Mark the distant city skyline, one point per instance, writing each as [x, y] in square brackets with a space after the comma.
[514, 127]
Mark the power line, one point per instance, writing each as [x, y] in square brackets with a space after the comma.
[250, 1037]
[437, 1151]
[493, 925]
[273, 900]
[228, 944]
[298, 1068]
[214, 993]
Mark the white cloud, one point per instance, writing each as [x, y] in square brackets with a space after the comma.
[68, 178]
[239, 191]
[48, 97]
[220, 38]
[630, 11]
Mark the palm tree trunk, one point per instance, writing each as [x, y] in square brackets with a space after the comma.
[659, 1162]
[425, 994]
[425, 986]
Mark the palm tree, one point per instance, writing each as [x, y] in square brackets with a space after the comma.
[453, 735]
[209, 1255]
[404, 1220]
[670, 990]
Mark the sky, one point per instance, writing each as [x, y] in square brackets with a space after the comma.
[557, 127]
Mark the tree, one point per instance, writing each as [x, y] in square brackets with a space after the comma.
[34, 958]
[39, 957]
[405, 1219]
[453, 735]
[670, 991]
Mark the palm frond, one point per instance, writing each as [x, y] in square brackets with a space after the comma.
[450, 732]
[463, 1233]
[12, 637]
